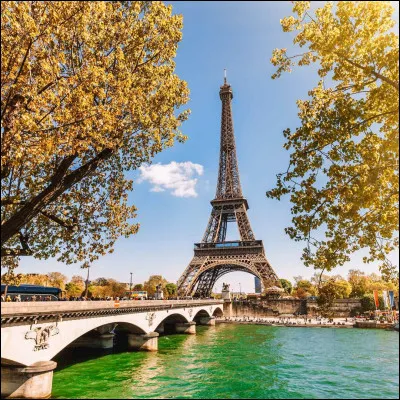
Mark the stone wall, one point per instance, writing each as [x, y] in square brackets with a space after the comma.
[275, 307]
[266, 308]
[341, 307]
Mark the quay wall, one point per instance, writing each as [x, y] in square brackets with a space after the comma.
[275, 307]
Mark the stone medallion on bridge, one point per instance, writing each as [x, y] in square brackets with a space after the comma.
[150, 317]
[41, 336]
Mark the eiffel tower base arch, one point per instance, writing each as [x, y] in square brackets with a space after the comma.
[204, 270]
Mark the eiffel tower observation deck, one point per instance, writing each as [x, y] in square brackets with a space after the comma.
[215, 256]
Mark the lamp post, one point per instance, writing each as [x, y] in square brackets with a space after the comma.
[87, 283]
[130, 288]
[240, 290]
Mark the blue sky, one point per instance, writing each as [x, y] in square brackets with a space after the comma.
[240, 37]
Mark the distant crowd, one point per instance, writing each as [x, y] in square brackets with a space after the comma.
[303, 320]
[17, 298]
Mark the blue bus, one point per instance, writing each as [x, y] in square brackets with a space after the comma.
[28, 291]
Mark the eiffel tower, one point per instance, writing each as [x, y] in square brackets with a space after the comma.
[215, 256]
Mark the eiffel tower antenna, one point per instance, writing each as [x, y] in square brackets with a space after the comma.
[215, 256]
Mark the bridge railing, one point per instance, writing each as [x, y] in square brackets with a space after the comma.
[30, 307]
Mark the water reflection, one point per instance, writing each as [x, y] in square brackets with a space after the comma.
[229, 361]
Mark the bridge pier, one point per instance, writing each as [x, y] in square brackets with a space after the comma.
[208, 321]
[144, 342]
[27, 382]
[228, 312]
[186, 327]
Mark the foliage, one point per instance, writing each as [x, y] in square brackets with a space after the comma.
[75, 287]
[35, 279]
[57, 279]
[363, 284]
[171, 289]
[154, 280]
[138, 287]
[100, 282]
[368, 303]
[88, 92]
[331, 290]
[286, 285]
[10, 278]
[359, 283]
[304, 288]
[103, 287]
[343, 172]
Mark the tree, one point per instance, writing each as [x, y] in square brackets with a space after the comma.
[57, 279]
[171, 289]
[10, 278]
[330, 291]
[286, 285]
[304, 288]
[154, 280]
[375, 282]
[88, 92]
[100, 282]
[343, 171]
[117, 289]
[359, 283]
[35, 279]
[75, 287]
[368, 303]
[77, 279]
[138, 287]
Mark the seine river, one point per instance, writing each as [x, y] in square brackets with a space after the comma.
[240, 362]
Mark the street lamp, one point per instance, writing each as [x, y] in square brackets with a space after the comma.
[240, 289]
[130, 285]
[87, 283]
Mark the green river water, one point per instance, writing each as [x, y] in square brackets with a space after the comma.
[240, 362]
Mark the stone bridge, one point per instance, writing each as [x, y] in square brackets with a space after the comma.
[32, 333]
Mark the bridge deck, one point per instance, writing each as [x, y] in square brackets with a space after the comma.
[56, 307]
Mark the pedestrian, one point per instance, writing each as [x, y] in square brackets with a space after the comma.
[3, 297]
[8, 298]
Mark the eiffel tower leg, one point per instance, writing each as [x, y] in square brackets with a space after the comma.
[245, 231]
[206, 282]
[189, 278]
[267, 274]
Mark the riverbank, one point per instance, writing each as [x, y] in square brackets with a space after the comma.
[288, 323]
[309, 323]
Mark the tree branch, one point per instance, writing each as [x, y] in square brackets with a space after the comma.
[58, 185]
[376, 74]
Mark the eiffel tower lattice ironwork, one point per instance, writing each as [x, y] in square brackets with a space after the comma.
[215, 256]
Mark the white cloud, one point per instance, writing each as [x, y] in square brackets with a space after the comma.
[178, 178]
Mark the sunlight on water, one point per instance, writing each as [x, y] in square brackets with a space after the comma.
[241, 361]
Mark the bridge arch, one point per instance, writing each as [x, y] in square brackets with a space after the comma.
[203, 282]
[201, 313]
[167, 325]
[218, 312]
